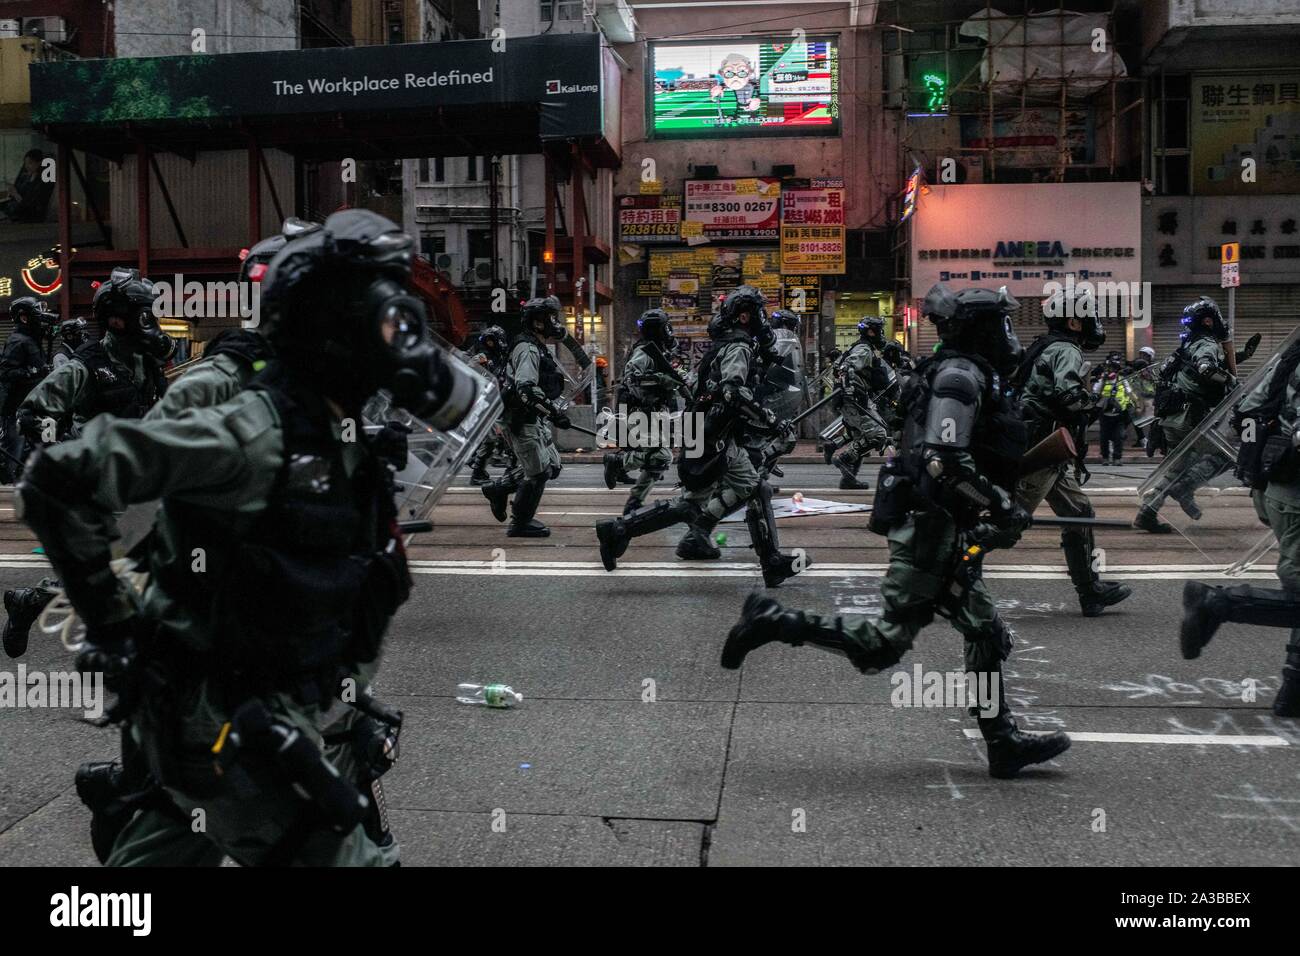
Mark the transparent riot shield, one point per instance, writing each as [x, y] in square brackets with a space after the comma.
[1204, 463]
[433, 457]
[1266, 543]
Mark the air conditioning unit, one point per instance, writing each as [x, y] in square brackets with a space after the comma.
[446, 263]
[481, 274]
[49, 29]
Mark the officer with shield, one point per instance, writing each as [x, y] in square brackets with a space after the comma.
[533, 383]
[1193, 380]
[493, 352]
[944, 500]
[224, 696]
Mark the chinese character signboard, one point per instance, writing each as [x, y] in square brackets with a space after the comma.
[1246, 117]
[803, 293]
[812, 226]
[733, 208]
[649, 219]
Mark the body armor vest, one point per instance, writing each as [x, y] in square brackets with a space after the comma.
[999, 438]
[110, 387]
[307, 586]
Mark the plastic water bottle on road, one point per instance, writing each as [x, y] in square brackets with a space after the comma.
[488, 695]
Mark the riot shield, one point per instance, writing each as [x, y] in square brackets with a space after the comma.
[1266, 543]
[1207, 456]
[1201, 471]
[433, 457]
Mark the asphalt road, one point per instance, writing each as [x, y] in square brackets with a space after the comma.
[633, 746]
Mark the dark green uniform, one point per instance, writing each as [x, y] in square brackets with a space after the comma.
[220, 468]
[103, 376]
[1054, 395]
[652, 392]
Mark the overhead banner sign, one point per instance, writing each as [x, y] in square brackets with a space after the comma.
[559, 73]
[812, 226]
[1252, 117]
[732, 208]
[649, 219]
[1034, 137]
[1025, 235]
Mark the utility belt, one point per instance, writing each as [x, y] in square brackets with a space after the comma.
[1270, 458]
[1169, 400]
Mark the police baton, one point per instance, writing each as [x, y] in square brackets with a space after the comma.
[1067, 522]
[812, 408]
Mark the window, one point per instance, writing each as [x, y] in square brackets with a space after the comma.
[439, 169]
[475, 168]
[433, 244]
[423, 171]
[437, 166]
[561, 10]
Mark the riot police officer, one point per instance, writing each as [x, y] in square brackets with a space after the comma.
[71, 335]
[120, 374]
[650, 387]
[1054, 395]
[725, 476]
[1272, 470]
[224, 695]
[1193, 380]
[492, 350]
[533, 383]
[22, 366]
[869, 384]
[946, 497]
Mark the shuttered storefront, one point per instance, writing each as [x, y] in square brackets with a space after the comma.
[1271, 310]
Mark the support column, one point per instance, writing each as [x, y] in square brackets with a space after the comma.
[549, 267]
[63, 175]
[144, 239]
[254, 193]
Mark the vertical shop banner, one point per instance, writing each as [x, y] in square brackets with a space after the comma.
[732, 208]
[812, 226]
[649, 219]
[1248, 116]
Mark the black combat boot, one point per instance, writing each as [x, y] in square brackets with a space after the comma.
[696, 544]
[498, 494]
[479, 474]
[527, 498]
[633, 504]
[1206, 607]
[828, 452]
[612, 464]
[848, 465]
[615, 533]
[1287, 701]
[24, 606]
[1148, 519]
[1011, 749]
[1095, 595]
[763, 621]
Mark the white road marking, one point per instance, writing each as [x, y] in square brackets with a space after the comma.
[1238, 740]
[723, 569]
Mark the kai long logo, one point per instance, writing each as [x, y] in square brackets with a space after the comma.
[555, 86]
[77, 909]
